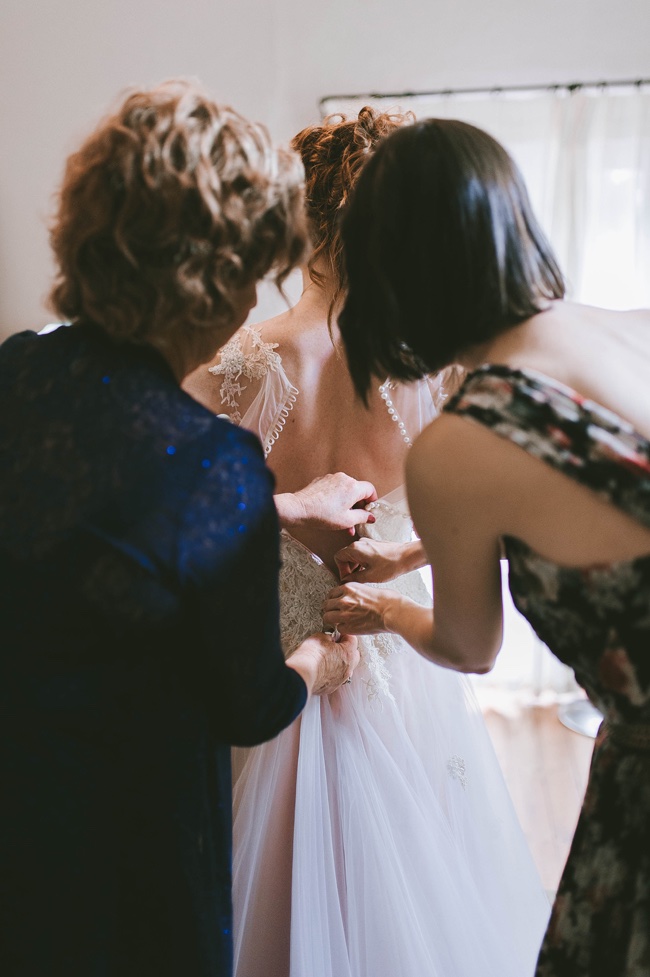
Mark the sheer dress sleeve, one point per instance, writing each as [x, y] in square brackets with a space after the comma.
[254, 389]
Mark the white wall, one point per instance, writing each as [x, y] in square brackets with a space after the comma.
[62, 62]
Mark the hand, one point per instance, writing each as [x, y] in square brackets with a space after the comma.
[357, 608]
[325, 663]
[330, 502]
[376, 561]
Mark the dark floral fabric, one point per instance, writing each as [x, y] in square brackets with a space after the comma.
[597, 620]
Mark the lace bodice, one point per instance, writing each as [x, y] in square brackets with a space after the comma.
[305, 582]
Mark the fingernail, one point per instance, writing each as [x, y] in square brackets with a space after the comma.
[372, 518]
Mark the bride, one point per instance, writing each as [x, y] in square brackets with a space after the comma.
[375, 836]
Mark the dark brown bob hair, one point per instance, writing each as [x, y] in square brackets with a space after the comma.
[442, 252]
[333, 155]
[169, 208]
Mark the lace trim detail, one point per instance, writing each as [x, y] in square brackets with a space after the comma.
[235, 363]
[281, 419]
[375, 651]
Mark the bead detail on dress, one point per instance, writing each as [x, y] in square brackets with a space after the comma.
[389, 509]
[384, 392]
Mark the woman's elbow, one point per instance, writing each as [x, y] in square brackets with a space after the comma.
[479, 667]
[471, 661]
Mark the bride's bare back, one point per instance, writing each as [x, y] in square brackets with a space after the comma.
[328, 428]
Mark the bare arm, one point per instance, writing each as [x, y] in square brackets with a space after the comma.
[357, 608]
[457, 489]
[456, 486]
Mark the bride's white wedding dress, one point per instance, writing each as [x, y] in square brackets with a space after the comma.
[375, 837]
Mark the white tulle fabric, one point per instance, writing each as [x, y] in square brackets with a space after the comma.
[375, 837]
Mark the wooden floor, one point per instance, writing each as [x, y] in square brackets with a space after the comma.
[545, 766]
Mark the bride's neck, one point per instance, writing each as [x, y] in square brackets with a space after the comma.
[316, 299]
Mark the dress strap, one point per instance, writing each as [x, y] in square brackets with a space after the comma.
[578, 437]
[247, 361]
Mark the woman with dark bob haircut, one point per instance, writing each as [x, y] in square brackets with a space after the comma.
[139, 552]
[543, 455]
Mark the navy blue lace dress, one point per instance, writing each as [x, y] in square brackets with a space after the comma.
[138, 640]
[597, 620]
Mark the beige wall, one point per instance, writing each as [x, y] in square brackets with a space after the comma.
[63, 61]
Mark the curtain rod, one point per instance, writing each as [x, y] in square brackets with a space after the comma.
[574, 86]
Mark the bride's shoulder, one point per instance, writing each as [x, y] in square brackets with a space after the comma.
[248, 352]
[250, 364]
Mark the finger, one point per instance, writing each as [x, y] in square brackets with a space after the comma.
[345, 569]
[367, 492]
[350, 569]
[362, 516]
[333, 594]
[360, 574]
[344, 554]
[353, 553]
[349, 645]
[346, 560]
[331, 619]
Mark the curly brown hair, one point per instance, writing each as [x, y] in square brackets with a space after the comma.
[333, 154]
[169, 208]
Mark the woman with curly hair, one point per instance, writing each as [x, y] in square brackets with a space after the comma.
[139, 552]
[375, 836]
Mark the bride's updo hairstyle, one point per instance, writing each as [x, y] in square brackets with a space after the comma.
[333, 155]
[169, 208]
[442, 252]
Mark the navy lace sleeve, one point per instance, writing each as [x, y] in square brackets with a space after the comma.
[229, 560]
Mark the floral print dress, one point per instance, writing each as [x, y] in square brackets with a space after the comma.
[597, 620]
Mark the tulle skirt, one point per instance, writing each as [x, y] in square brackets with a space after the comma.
[375, 838]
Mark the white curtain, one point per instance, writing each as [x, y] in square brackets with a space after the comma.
[585, 156]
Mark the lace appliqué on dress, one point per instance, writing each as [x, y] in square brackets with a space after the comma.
[305, 582]
[457, 770]
[237, 363]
